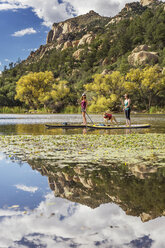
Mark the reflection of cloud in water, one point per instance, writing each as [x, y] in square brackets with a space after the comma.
[26, 188]
[57, 221]
[2, 156]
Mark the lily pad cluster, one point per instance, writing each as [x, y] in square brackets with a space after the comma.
[132, 149]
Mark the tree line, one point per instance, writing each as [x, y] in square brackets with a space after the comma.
[146, 87]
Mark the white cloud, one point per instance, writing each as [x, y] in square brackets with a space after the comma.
[24, 32]
[10, 6]
[0, 63]
[29, 49]
[80, 225]
[51, 11]
[7, 60]
[26, 188]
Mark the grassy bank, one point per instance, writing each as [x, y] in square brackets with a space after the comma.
[67, 110]
[156, 110]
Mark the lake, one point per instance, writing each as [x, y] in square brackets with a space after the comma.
[81, 188]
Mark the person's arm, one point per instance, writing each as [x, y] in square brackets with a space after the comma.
[124, 107]
[129, 103]
[86, 105]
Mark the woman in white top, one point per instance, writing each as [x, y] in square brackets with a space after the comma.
[127, 109]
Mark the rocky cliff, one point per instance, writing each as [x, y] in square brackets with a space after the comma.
[73, 32]
[148, 2]
[81, 30]
[67, 30]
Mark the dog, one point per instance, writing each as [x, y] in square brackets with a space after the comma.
[109, 117]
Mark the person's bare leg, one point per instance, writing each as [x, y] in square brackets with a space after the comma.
[84, 118]
[129, 122]
[106, 121]
[115, 121]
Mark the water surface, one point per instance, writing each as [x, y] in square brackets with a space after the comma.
[35, 124]
[51, 203]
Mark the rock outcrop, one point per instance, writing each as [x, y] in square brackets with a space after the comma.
[77, 53]
[61, 31]
[74, 25]
[129, 11]
[147, 2]
[141, 56]
[82, 30]
[70, 33]
[86, 39]
[67, 44]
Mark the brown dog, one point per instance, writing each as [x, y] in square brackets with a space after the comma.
[109, 117]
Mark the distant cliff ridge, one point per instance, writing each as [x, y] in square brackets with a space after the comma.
[61, 31]
[147, 2]
[82, 30]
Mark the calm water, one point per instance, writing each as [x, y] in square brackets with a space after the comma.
[45, 206]
[35, 124]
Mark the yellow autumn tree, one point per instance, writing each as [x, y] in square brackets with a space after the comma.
[145, 85]
[41, 89]
[33, 87]
[105, 91]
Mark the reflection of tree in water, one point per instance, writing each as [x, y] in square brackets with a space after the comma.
[115, 183]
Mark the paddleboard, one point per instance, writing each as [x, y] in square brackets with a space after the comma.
[118, 126]
[98, 126]
[65, 126]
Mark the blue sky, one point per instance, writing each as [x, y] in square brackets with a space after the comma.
[19, 45]
[24, 24]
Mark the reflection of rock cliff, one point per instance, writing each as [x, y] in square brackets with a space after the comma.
[137, 197]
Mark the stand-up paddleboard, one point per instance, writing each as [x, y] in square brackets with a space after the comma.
[98, 126]
[65, 126]
[118, 126]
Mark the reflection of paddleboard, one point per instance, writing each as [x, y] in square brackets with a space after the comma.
[98, 126]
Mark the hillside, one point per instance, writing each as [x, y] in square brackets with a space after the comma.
[80, 47]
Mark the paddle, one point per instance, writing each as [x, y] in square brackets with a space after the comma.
[89, 118]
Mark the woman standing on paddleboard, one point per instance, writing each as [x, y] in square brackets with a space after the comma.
[127, 109]
[84, 107]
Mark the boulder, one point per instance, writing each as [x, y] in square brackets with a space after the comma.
[77, 53]
[145, 217]
[140, 48]
[86, 39]
[105, 72]
[58, 47]
[67, 44]
[75, 43]
[115, 20]
[105, 62]
[147, 2]
[141, 56]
